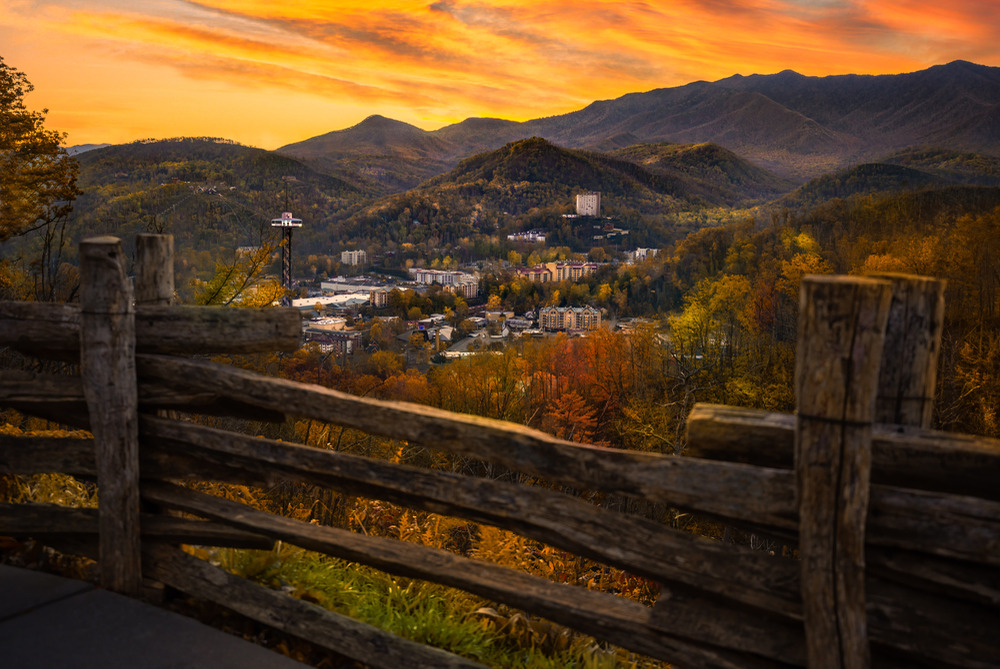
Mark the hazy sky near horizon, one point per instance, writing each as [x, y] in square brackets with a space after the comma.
[266, 73]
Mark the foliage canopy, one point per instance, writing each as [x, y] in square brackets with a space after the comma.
[39, 179]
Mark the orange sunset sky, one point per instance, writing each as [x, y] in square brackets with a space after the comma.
[268, 73]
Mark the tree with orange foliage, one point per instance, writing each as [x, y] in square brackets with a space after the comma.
[569, 417]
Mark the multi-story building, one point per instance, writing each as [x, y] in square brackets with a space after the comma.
[588, 204]
[572, 271]
[533, 236]
[379, 298]
[354, 257]
[569, 318]
[540, 273]
[641, 254]
[558, 271]
[344, 342]
[456, 282]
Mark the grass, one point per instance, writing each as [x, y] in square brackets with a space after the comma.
[423, 612]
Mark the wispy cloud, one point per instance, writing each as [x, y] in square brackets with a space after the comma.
[437, 61]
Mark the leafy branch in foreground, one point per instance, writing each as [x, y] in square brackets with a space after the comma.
[39, 178]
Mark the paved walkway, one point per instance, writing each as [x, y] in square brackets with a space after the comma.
[52, 622]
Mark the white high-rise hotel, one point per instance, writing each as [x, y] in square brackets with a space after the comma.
[354, 257]
[588, 204]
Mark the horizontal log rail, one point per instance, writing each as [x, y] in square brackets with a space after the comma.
[42, 520]
[906, 457]
[53, 330]
[969, 523]
[716, 488]
[643, 547]
[623, 622]
[706, 486]
[59, 398]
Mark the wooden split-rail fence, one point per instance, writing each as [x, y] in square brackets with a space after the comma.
[897, 527]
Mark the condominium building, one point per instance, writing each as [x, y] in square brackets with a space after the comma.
[354, 257]
[641, 254]
[558, 271]
[532, 236]
[379, 298]
[539, 273]
[588, 204]
[572, 271]
[456, 282]
[569, 318]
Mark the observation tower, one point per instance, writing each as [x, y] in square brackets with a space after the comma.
[287, 223]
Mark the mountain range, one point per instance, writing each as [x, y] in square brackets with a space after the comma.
[666, 162]
[797, 126]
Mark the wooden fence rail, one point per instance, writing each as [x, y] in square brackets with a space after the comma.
[897, 527]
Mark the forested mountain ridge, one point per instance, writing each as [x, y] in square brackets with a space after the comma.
[725, 177]
[864, 179]
[905, 171]
[217, 193]
[216, 196]
[797, 126]
[533, 183]
[213, 195]
[955, 166]
[197, 159]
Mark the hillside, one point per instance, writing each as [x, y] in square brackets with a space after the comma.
[211, 194]
[865, 179]
[200, 160]
[955, 166]
[526, 184]
[718, 174]
[797, 126]
[901, 172]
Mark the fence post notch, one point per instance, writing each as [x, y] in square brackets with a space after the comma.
[107, 362]
[842, 323]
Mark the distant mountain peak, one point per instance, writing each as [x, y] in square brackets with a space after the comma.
[964, 67]
[962, 64]
[83, 148]
[379, 121]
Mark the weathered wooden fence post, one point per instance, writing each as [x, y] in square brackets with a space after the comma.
[842, 324]
[154, 269]
[107, 360]
[912, 348]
